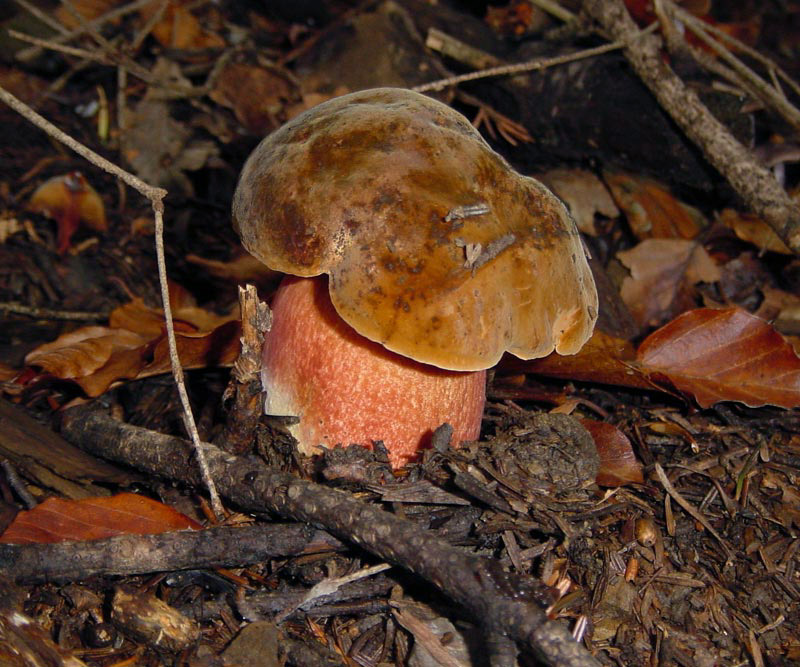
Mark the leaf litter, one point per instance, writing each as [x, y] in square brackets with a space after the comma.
[625, 553]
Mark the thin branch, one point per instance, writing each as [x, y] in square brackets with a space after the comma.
[51, 313]
[744, 48]
[33, 52]
[530, 65]
[755, 184]
[555, 9]
[761, 88]
[49, 21]
[149, 191]
[694, 513]
[502, 601]
[61, 48]
[156, 197]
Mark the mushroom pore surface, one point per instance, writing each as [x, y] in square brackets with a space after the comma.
[436, 249]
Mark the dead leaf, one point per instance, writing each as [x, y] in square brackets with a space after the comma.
[7, 373]
[134, 346]
[187, 316]
[751, 228]
[88, 9]
[517, 18]
[22, 84]
[584, 194]
[602, 359]
[179, 29]
[257, 95]
[69, 200]
[9, 227]
[777, 304]
[652, 211]
[159, 148]
[242, 268]
[58, 520]
[219, 347]
[724, 355]
[81, 352]
[663, 272]
[618, 464]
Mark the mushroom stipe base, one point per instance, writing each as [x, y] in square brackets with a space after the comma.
[347, 389]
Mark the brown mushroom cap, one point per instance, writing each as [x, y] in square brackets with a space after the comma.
[435, 247]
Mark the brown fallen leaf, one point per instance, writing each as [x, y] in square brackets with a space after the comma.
[81, 352]
[88, 9]
[584, 193]
[9, 227]
[219, 347]
[724, 355]
[58, 519]
[7, 373]
[256, 94]
[751, 228]
[135, 346]
[69, 200]
[179, 29]
[603, 358]
[652, 211]
[663, 272]
[618, 464]
[187, 316]
[159, 148]
[241, 268]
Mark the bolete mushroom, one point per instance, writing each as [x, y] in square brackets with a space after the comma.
[439, 258]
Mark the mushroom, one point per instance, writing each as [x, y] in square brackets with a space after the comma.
[421, 257]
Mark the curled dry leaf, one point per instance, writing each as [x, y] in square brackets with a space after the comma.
[652, 211]
[708, 354]
[663, 272]
[242, 268]
[584, 193]
[88, 10]
[751, 228]
[724, 355]
[256, 94]
[187, 316]
[159, 148]
[618, 464]
[179, 29]
[9, 227]
[134, 346]
[69, 200]
[603, 359]
[81, 352]
[58, 519]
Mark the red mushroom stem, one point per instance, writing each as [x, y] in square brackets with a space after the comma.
[347, 389]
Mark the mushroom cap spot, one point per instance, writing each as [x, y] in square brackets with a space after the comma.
[364, 188]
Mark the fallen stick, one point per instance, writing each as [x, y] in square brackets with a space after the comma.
[754, 183]
[503, 602]
[222, 546]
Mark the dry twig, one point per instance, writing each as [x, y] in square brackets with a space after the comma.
[753, 183]
[504, 602]
[768, 94]
[730, 554]
[531, 65]
[156, 197]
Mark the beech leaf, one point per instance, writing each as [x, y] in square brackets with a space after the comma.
[618, 464]
[58, 519]
[663, 272]
[652, 211]
[724, 355]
